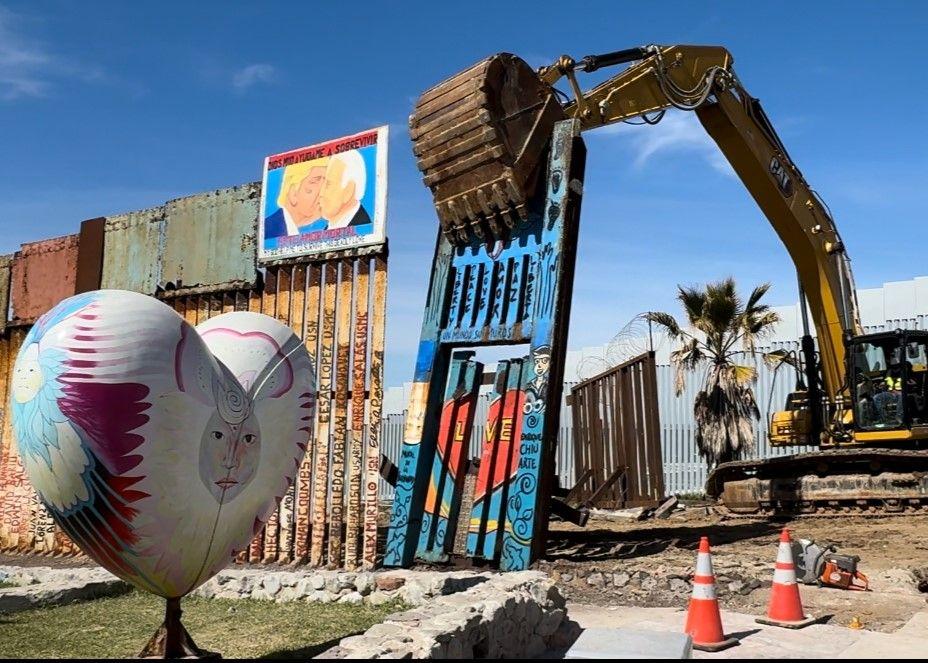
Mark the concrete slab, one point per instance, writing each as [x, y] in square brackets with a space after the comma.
[625, 643]
[595, 616]
[756, 640]
[874, 646]
[916, 627]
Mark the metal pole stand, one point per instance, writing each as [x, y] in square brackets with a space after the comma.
[171, 640]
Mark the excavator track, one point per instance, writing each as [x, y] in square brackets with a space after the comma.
[839, 482]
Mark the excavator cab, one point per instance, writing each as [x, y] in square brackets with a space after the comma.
[888, 374]
[888, 383]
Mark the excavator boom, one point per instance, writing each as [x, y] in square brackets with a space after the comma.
[478, 137]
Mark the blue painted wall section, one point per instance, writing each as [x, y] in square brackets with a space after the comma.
[440, 515]
[512, 291]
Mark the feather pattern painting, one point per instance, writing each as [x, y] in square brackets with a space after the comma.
[160, 448]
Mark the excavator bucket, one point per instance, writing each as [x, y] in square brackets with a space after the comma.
[479, 138]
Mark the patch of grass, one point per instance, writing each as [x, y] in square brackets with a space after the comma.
[119, 627]
[695, 496]
[6, 585]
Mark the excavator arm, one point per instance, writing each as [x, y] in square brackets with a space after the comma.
[701, 79]
[478, 136]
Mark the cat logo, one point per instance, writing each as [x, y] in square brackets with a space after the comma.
[780, 175]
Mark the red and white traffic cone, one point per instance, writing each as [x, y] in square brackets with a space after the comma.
[704, 621]
[785, 607]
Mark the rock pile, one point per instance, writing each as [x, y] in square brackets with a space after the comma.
[313, 585]
[514, 615]
[640, 583]
[45, 586]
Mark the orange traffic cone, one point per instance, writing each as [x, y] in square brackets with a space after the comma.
[704, 621]
[785, 605]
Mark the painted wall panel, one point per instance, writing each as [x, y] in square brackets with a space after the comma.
[6, 263]
[43, 274]
[209, 238]
[131, 247]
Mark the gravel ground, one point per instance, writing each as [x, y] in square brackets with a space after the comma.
[621, 562]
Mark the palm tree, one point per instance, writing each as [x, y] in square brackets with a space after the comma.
[721, 328]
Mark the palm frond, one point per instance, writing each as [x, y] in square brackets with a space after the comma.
[763, 324]
[744, 375]
[720, 313]
[665, 321]
[685, 359]
[777, 358]
[693, 300]
[755, 296]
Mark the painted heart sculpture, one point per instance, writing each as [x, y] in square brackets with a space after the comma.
[160, 448]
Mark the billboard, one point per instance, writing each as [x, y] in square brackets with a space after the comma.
[326, 197]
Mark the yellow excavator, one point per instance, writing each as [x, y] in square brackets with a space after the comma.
[860, 398]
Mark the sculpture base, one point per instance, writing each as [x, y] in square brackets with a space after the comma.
[171, 640]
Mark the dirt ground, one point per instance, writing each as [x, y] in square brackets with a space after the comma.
[616, 561]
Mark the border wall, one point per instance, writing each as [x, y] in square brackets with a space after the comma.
[198, 255]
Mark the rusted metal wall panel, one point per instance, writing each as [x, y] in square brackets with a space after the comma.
[359, 369]
[6, 262]
[333, 507]
[307, 477]
[90, 255]
[43, 274]
[372, 458]
[132, 250]
[16, 496]
[617, 453]
[323, 427]
[209, 238]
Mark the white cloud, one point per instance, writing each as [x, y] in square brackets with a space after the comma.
[27, 68]
[253, 74]
[678, 133]
[21, 64]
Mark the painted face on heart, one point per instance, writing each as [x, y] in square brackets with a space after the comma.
[229, 455]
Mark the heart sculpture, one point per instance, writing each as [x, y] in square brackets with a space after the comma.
[160, 448]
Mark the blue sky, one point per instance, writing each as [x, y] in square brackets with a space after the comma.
[112, 106]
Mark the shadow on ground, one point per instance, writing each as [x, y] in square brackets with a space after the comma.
[306, 652]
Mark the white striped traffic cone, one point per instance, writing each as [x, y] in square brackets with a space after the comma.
[785, 607]
[704, 621]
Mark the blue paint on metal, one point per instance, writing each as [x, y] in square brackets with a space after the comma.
[524, 507]
[510, 292]
[424, 359]
[439, 519]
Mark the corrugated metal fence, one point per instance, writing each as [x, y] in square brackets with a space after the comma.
[684, 470]
[617, 449]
